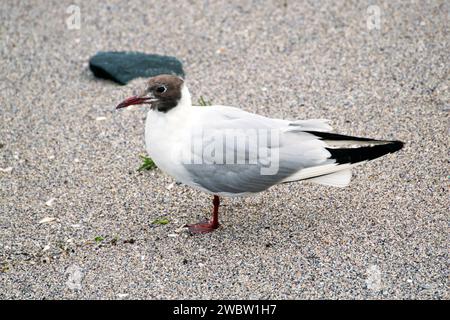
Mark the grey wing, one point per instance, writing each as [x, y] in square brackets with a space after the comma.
[235, 179]
[236, 166]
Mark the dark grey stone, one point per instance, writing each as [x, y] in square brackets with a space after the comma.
[122, 67]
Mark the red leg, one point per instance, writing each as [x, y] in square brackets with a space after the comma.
[209, 226]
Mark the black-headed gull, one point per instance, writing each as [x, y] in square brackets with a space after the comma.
[226, 151]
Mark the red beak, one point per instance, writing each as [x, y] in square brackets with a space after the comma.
[133, 100]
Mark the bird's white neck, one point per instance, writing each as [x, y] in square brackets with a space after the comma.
[185, 100]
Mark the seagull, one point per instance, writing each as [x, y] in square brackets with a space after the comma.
[226, 151]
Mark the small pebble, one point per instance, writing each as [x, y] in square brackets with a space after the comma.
[170, 186]
[47, 220]
[6, 170]
[49, 202]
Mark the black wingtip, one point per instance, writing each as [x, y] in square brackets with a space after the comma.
[354, 155]
[397, 145]
[358, 154]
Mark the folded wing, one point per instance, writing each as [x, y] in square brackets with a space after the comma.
[286, 151]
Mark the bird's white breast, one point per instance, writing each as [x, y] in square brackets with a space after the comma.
[163, 139]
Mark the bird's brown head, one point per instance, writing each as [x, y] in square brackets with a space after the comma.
[162, 93]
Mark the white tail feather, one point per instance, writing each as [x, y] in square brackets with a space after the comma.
[337, 179]
[311, 124]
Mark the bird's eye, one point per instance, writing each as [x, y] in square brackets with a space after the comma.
[161, 89]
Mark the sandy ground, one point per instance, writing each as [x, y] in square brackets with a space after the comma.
[66, 154]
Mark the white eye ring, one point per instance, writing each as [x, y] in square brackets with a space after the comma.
[161, 89]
